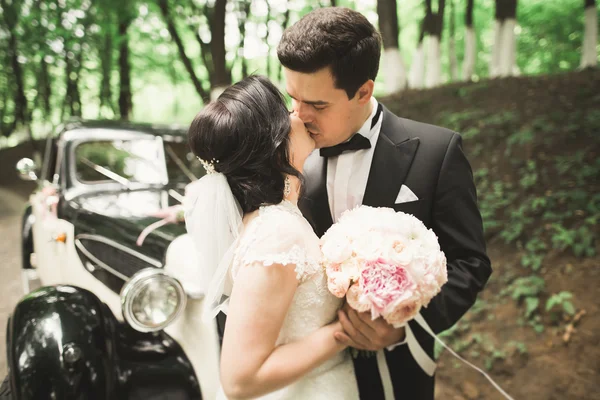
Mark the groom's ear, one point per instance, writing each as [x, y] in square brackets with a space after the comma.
[365, 92]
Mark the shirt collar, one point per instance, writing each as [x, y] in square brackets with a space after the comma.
[366, 130]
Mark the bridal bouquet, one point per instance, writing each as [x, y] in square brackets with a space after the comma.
[383, 261]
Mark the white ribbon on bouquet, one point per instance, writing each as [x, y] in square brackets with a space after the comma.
[427, 364]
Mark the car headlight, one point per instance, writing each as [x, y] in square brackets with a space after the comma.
[151, 300]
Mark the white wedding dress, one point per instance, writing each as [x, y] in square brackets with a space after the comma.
[279, 234]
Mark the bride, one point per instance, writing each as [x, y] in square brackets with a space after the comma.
[262, 255]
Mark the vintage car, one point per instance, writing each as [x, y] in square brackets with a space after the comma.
[117, 315]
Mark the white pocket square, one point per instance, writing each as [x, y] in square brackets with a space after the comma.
[405, 195]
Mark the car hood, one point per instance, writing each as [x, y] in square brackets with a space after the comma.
[121, 216]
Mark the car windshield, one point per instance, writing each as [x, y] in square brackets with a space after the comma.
[137, 160]
[182, 165]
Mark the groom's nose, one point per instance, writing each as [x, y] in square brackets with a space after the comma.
[304, 111]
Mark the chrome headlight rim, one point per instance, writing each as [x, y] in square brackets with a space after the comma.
[132, 288]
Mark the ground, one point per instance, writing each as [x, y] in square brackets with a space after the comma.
[533, 144]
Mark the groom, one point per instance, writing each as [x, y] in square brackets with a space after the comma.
[370, 156]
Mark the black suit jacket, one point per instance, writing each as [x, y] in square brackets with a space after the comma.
[430, 161]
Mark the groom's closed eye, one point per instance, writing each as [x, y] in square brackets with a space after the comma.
[317, 104]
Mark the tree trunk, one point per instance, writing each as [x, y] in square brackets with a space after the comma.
[106, 60]
[44, 91]
[243, 13]
[394, 71]
[453, 61]
[214, 53]
[470, 43]
[187, 63]
[11, 13]
[267, 41]
[72, 101]
[589, 54]
[42, 74]
[4, 129]
[286, 21]
[416, 76]
[17, 72]
[221, 78]
[434, 27]
[221, 74]
[73, 65]
[503, 61]
[125, 97]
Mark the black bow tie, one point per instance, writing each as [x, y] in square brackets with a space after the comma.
[358, 142]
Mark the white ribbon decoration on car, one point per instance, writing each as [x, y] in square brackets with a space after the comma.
[427, 364]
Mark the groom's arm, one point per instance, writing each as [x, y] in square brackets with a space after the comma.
[457, 223]
[456, 220]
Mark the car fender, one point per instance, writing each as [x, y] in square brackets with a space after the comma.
[60, 345]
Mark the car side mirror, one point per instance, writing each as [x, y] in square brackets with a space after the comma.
[27, 169]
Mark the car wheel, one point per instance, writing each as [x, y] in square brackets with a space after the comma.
[5, 391]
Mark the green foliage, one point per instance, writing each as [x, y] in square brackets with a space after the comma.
[455, 120]
[580, 239]
[78, 41]
[561, 300]
[534, 255]
[525, 287]
[529, 176]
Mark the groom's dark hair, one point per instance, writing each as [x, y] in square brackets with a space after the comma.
[335, 37]
[246, 132]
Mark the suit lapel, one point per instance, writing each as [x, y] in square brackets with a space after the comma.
[315, 202]
[394, 154]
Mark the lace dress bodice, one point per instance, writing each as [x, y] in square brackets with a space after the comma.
[279, 234]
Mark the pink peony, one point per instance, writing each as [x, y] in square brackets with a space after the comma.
[385, 262]
[384, 283]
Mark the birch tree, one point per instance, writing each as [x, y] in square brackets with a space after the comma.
[416, 75]
[589, 55]
[470, 43]
[453, 61]
[503, 61]
[433, 31]
[394, 71]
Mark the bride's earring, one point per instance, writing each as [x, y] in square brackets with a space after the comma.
[287, 189]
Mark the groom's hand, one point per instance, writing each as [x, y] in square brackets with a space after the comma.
[365, 334]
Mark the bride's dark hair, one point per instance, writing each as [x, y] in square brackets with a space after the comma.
[247, 131]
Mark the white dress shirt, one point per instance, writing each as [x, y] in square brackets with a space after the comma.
[347, 174]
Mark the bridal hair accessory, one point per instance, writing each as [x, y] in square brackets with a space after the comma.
[389, 264]
[209, 166]
[287, 189]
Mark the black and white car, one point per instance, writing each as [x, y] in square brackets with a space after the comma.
[112, 319]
